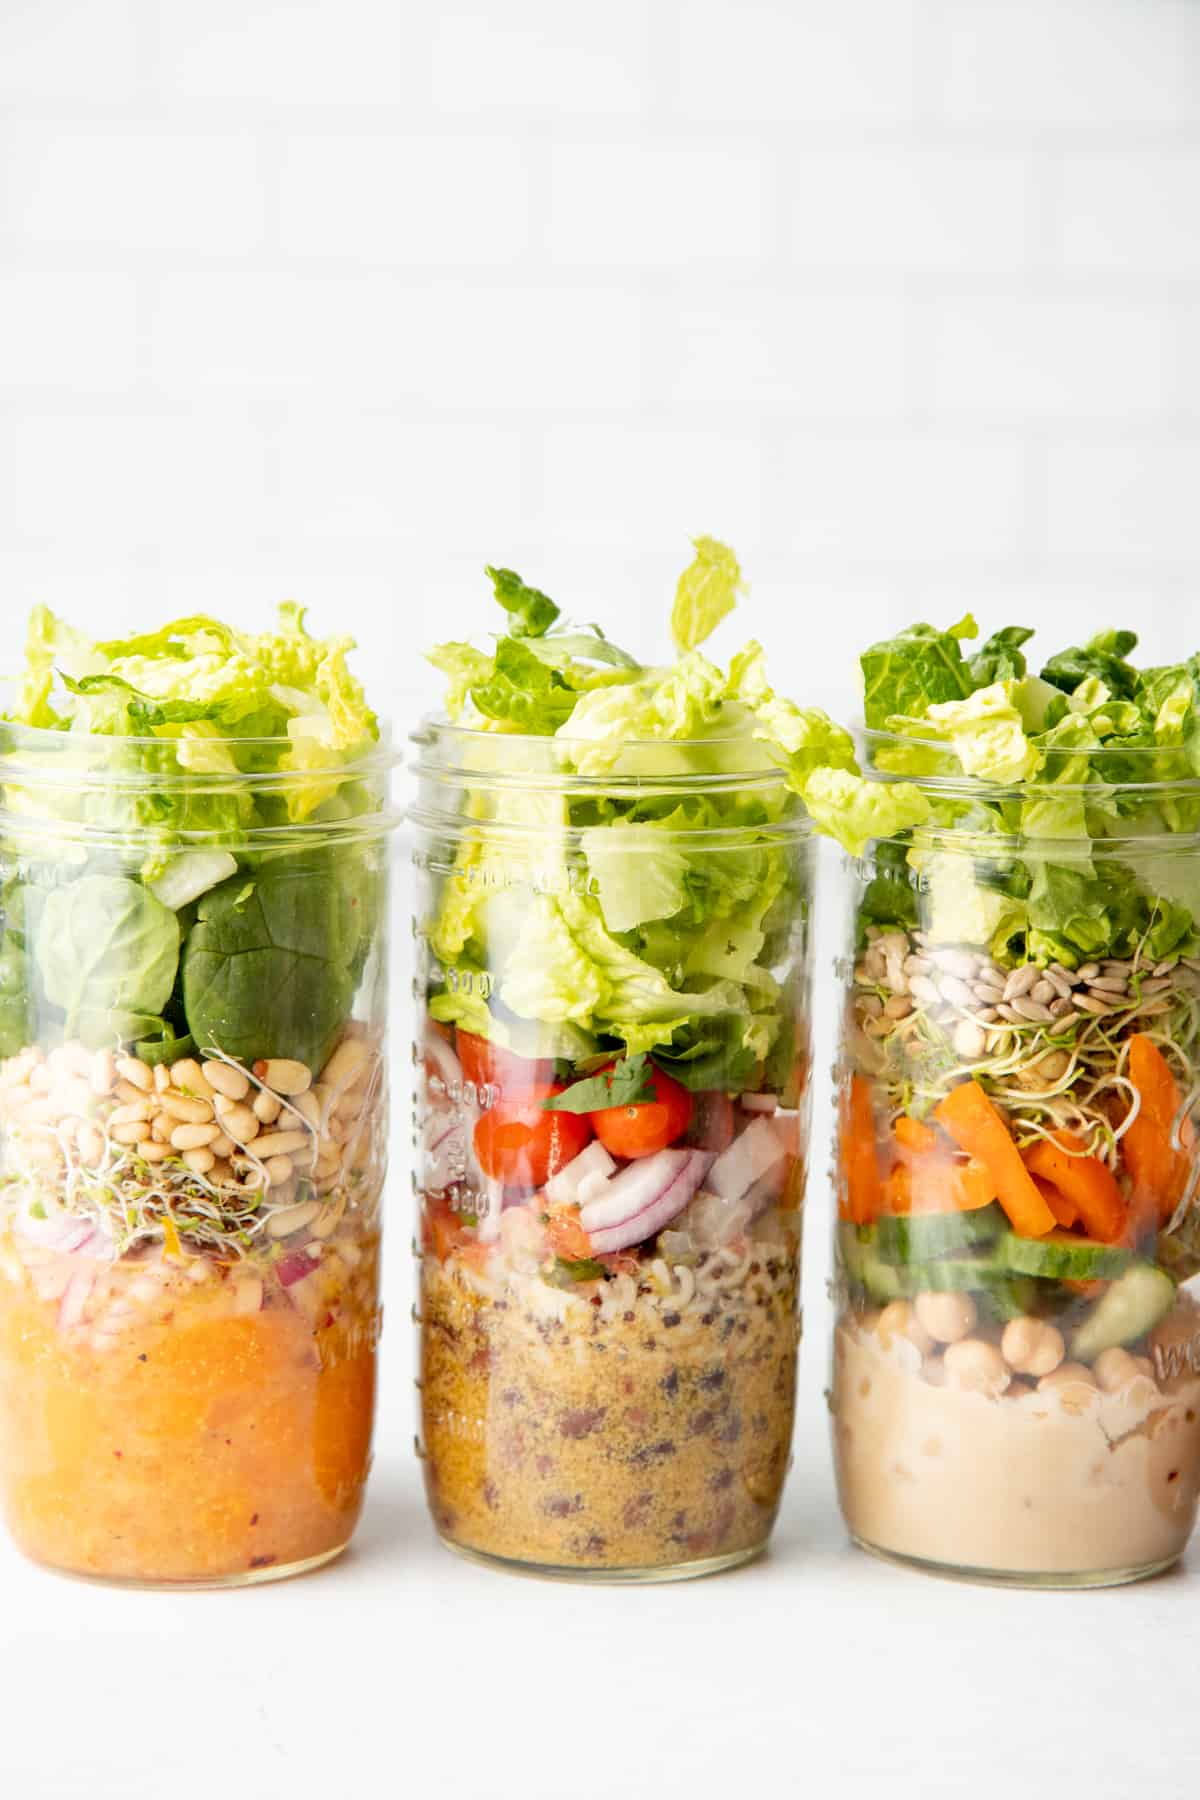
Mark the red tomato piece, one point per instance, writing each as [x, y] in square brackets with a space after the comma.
[490, 1065]
[648, 1125]
[520, 1144]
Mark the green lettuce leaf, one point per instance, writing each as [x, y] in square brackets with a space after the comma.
[531, 611]
[914, 670]
[706, 594]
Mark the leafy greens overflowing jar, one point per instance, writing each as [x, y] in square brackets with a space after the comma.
[614, 892]
[1016, 1383]
[192, 1101]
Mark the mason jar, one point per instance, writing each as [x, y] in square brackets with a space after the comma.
[1016, 1370]
[611, 1059]
[193, 1115]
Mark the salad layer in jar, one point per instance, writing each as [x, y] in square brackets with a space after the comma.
[1016, 1382]
[614, 906]
[192, 1101]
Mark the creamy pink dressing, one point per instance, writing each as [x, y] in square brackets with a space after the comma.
[1070, 1482]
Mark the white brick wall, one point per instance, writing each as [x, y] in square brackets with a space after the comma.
[340, 299]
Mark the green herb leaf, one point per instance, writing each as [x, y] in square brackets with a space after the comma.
[583, 1269]
[627, 1083]
[707, 593]
[532, 612]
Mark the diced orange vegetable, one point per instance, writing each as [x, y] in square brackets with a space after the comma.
[1088, 1184]
[566, 1236]
[444, 1230]
[898, 1190]
[1159, 1172]
[976, 1127]
[1066, 1214]
[862, 1200]
[915, 1136]
[946, 1184]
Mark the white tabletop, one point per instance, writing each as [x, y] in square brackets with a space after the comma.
[816, 1671]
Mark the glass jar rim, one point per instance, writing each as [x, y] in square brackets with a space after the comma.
[870, 739]
[530, 762]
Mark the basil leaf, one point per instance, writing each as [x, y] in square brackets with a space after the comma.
[629, 1082]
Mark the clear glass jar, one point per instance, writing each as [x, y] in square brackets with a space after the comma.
[193, 1114]
[1016, 1372]
[608, 1300]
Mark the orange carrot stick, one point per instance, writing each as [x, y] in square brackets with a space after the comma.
[947, 1184]
[1158, 1171]
[914, 1136]
[863, 1181]
[1087, 1183]
[1060, 1206]
[979, 1129]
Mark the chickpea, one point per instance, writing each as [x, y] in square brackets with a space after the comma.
[976, 1366]
[1073, 1382]
[1032, 1347]
[946, 1317]
[1116, 1370]
[896, 1320]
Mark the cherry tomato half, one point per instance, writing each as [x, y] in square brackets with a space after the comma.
[490, 1065]
[648, 1125]
[520, 1144]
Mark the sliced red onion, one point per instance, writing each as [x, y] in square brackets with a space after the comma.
[747, 1160]
[644, 1197]
[293, 1267]
[446, 1063]
[58, 1231]
[247, 1296]
[75, 1298]
[589, 1170]
[445, 1139]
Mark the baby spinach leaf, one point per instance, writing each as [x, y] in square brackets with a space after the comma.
[267, 967]
[104, 944]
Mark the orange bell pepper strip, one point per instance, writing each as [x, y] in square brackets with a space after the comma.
[1087, 1183]
[862, 1179]
[977, 1127]
[1066, 1214]
[1159, 1172]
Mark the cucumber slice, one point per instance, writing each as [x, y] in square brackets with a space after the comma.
[952, 1275]
[915, 1237]
[1006, 1297]
[859, 1251]
[1061, 1257]
[1133, 1305]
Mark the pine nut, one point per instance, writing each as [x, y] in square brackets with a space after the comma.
[162, 1078]
[187, 1074]
[278, 1170]
[188, 1112]
[240, 1124]
[151, 1151]
[135, 1071]
[91, 1146]
[267, 1106]
[132, 1114]
[292, 1219]
[193, 1137]
[309, 1107]
[233, 1083]
[285, 1076]
[199, 1161]
[352, 1056]
[103, 1072]
[136, 1132]
[221, 1146]
[280, 1143]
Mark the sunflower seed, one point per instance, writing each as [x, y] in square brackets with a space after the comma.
[1108, 984]
[1153, 1007]
[1033, 1010]
[1043, 992]
[1020, 982]
[917, 965]
[924, 991]
[1058, 972]
[1057, 977]
[956, 991]
[987, 1014]
[1061, 1007]
[970, 1040]
[1115, 965]
[1088, 972]
[987, 993]
[963, 963]
[1164, 968]
[1010, 1014]
[1090, 1004]
[898, 1007]
[870, 1005]
[1158, 984]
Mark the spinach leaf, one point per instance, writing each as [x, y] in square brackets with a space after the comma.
[267, 968]
[911, 672]
[103, 945]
